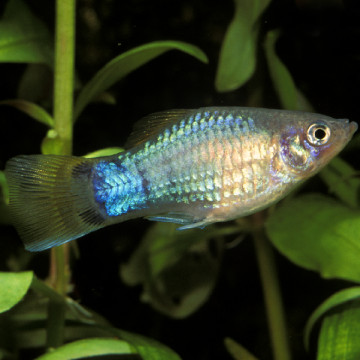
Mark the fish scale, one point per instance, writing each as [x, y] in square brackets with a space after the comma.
[191, 167]
[173, 177]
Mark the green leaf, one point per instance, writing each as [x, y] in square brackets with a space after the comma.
[4, 200]
[333, 301]
[342, 180]
[320, 234]
[33, 110]
[89, 347]
[30, 318]
[238, 52]
[52, 144]
[340, 335]
[23, 37]
[4, 189]
[104, 152]
[237, 351]
[290, 97]
[127, 62]
[148, 349]
[13, 287]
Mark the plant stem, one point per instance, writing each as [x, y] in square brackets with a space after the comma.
[64, 72]
[63, 115]
[272, 294]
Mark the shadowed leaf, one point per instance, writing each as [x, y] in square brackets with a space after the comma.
[290, 97]
[4, 190]
[4, 200]
[125, 63]
[23, 37]
[33, 110]
[342, 180]
[237, 351]
[167, 255]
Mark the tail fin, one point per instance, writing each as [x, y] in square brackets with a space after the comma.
[51, 199]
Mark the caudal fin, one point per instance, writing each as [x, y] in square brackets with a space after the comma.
[51, 199]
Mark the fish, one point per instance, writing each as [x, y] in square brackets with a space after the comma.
[190, 167]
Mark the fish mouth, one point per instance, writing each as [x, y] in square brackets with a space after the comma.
[353, 126]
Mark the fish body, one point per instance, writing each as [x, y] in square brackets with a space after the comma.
[191, 167]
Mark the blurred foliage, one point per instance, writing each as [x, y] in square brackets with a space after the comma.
[178, 271]
[237, 60]
[24, 38]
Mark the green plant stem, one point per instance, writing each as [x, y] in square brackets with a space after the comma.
[56, 312]
[63, 115]
[64, 72]
[272, 294]
[63, 125]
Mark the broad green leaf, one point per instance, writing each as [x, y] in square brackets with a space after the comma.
[148, 349]
[237, 60]
[23, 37]
[290, 97]
[127, 62]
[104, 152]
[33, 110]
[89, 348]
[342, 180]
[320, 234]
[13, 287]
[237, 351]
[340, 335]
[333, 301]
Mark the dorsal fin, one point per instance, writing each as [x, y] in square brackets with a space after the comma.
[152, 124]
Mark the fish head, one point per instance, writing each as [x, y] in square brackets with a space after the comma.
[309, 141]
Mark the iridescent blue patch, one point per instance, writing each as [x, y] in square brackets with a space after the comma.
[118, 187]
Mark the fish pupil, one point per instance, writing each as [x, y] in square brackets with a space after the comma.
[320, 134]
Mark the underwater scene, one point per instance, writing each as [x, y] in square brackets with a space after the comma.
[179, 180]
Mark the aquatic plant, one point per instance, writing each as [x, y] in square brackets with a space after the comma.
[318, 232]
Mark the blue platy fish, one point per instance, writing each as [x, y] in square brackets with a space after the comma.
[191, 167]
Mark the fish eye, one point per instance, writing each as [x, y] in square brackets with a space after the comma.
[318, 134]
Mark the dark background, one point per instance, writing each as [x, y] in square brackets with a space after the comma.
[320, 44]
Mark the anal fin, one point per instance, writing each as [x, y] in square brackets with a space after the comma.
[187, 221]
